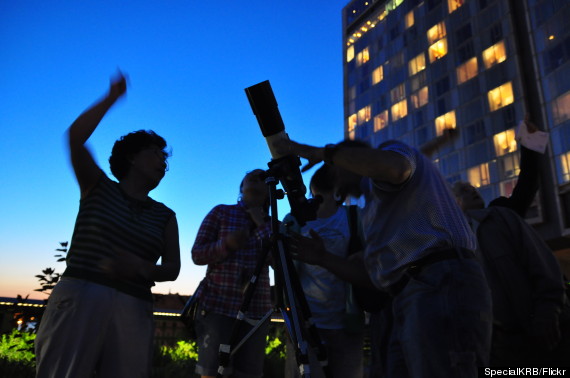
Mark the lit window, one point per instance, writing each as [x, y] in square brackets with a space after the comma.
[350, 53]
[377, 75]
[479, 176]
[409, 19]
[500, 96]
[444, 122]
[510, 166]
[398, 93]
[362, 57]
[436, 33]
[561, 108]
[420, 98]
[505, 142]
[454, 4]
[364, 115]
[494, 54]
[351, 125]
[417, 64]
[438, 50]
[467, 70]
[399, 110]
[381, 121]
[506, 187]
[565, 165]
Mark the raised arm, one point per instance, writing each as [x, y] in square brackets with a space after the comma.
[86, 170]
[379, 165]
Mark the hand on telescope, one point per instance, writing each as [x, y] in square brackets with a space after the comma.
[314, 155]
[308, 250]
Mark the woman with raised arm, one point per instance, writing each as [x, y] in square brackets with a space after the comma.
[99, 317]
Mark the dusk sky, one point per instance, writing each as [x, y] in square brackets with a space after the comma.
[188, 63]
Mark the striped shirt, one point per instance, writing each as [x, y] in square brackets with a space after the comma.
[229, 271]
[109, 221]
[403, 223]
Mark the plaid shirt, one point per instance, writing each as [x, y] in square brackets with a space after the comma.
[229, 271]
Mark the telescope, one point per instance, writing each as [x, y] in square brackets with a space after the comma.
[284, 167]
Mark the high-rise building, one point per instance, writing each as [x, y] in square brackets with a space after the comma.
[415, 68]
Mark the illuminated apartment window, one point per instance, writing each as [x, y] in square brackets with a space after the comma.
[479, 176]
[420, 98]
[510, 166]
[454, 4]
[409, 19]
[398, 93]
[436, 33]
[362, 57]
[399, 110]
[364, 115]
[561, 108]
[565, 165]
[350, 53]
[505, 142]
[501, 96]
[444, 122]
[438, 50]
[352, 125]
[381, 121]
[417, 64]
[377, 75]
[467, 70]
[506, 187]
[494, 54]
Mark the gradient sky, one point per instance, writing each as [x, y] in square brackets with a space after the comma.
[188, 63]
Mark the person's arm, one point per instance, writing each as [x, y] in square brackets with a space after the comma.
[209, 246]
[86, 170]
[379, 165]
[312, 251]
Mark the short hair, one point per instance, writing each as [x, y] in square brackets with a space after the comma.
[129, 145]
[353, 143]
[323, 179]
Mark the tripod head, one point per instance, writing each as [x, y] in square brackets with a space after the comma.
[284, 168]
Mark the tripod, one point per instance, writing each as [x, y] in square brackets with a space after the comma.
[290, 299]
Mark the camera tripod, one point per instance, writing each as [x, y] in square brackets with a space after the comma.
[290, 299]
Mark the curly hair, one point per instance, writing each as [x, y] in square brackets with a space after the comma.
[129, 145]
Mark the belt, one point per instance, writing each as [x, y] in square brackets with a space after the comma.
[414, 268]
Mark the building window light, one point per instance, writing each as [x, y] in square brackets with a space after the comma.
[467, 71]
[500, 96]
[506, 187]
[398, 93]
[352, 125]
[494, 54]
[417, 64]
[505, 142]
[438, 50]
[565, 165]
[362, 57]
[479, 176]
[510, 166]
[436, 33]
[399, 110]
[364, 115]
[561, 108]
[409, 20]
[381, 121]
[349, 53]
[445, 122]
[377, 75]
[454, 4]
[420, 98]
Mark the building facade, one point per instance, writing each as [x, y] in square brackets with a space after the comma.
[415, 68]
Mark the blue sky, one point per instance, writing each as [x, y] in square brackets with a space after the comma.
[188, 63]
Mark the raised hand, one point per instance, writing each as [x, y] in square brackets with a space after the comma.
[118, 86]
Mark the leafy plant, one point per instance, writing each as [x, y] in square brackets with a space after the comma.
[50, 277]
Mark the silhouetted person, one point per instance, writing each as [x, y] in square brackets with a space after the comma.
[99, 316]
[530, 309]
[229, 241]
[419, 247]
